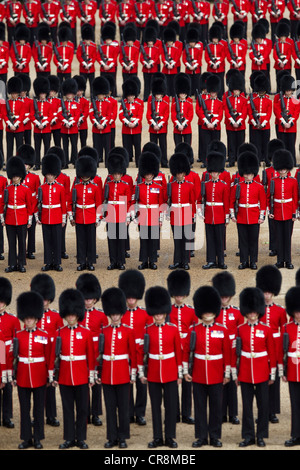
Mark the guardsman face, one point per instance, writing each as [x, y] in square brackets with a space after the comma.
[85, 179]
[131, 302]
[180, 176]
[179, 299]
[14, 96]
[208, 318]
[149, 178]
[283, 172]
[50, 178]
[71, 319]
[159, 318]
[130, 98]
[158, 97]
[215, 175]
[116, 318]
[225, 301]
[215, 40]
[70, 96]
[268, 297]
[117, 176]
[236, 92]
[30, 323]
[16, 180]
[297, 317]
[182, 96]
[43, 96]
[252, 317]
[100, 97]
[249, 177]
[89, 303]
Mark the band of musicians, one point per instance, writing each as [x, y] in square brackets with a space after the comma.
[149, 116]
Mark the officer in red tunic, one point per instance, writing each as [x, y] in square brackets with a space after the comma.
[86, 13]
[183, 316]
[56, 104]
[276, 11]
[129, 52]
[50, 322]
[290, 353]
[132, 283]
[209, 369]
[161, 366]
[84, 212]
[49, 15]
[283, 206]
[182, 109]
[248, 209]
[13, 17]
[237, 49]
[76, 371]
[119, 368]
[108, 52]
[259, 52]
[256, 367]
[215, 56]
[51, 212]
[95, 320]
[282, 50]
[9, 324]
[269, 280]
[182, 210]
[42, 51]
[170, 56]
[231, 317]
[21, 61]
[16, 214]
[148, 201]
[69, 15]
[27, 107]
[107, 11]
[31, 15]
[64, 54]
[41, 117]
[13, 115]
[87, 53]
[117, 214]
[33, 370]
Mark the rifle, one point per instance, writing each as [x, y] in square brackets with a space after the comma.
[213, 58]
[254, 110]
[125, 110]
[179, 115]
[203, 106]
[159, 15]
[137, 12]
[15, 356]
[280, 56]
[203, 193]
[196, 11]
[146, 352]
[46, 15]
[237, 9]
[296, 48]
[40, 202]
[74, 201]
[175, 10]
[105, 201]
[57, 356]
[37, 113]
[13, 15]
[264, 177]
[256, 54]
[286, 341]
[168, 59]
[154, 115]
[284, 112]
[10, 115]
[101, 351]
[298, 181]
[96, 112]
[64, 111]
[233, 112]
[272, 190]
[217, 10]
[295, 8]
[137, 199]
[65, 13]
[84, 54]
[121, 14]
[28, 12]
[274, 8]
[42, 59]
[17, 55]
[232, 54]
[193, 339]
[5, 202]
[125, 57]
[83, 14]
[258, 12]
[238, 351]
[145, 56]
[169, 196]
[104, 58]
[237, 198]
[57, 54]
[105, 15]
[188, 54]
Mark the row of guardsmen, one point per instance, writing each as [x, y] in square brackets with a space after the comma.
[216, 197]
[207, 350]
[62, 114]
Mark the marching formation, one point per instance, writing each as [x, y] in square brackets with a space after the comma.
[205, 351]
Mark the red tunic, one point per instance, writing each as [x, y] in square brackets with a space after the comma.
[183, 205]
[137, 318]
[150, 204]
[216, 202]
[89, 200]
[54, 209]
[252, 202]
[136, 110]
[285, 198]
[239, 105]
[19, 207]
[275, 317]
[162, 113]
[187, 114]
[293, 355]
[95, 319]
[183, 316]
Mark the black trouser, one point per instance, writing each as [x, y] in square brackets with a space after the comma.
[212, 426]
[161, 140]
[73, 139]
[130, 142]
[284, 231]
[195, 83]
[63, 239]
[148, 243]
[71, 397]
[260, 138]
[86, 243]
[52, 243]
[12, 137]
[89, 77]
[10, 33]
[116, 398]
[43, 74]
[137, 406]
[147, 84]
[289, 139]
[169, 392]
[294, 391]
[56, 137]
[1, 240]
[3, 77]
[234, 140]
[186, 400]
[215, 235]
[38, 139]
[95, 405]
[182, 236]
[63, 76]
[170, 82]
[83, 133]
[27, 136]
[278, 81]
[248, 242]
[127, 76]
[261, 392]
[178, 138]
[16, 236]
[31, 237]
[50, 403]
[6, 403]
[112, 137]
[116, 236]
[26, 432]
[207, 136]
[221, 90]
[114, 76]
[272, 235]
[203, 32]
[101, 142]
[274, 391]
[230, 399]
[53, 33]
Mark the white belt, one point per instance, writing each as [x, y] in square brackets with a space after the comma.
[161, 357]
[85, 207]
[7, 343]
[262, 114]
[248, 205]
[181, 205]
[28, 360]
[294, 354]
[116, 202]
[54, 206]
[73, 358]
[118, 357]
[283, 200]
[209, 357]
[214, 204]
[276, 335]
[16, 207]
[250, 355]
[149, 206]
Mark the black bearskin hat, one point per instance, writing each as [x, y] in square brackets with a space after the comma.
[22, 32]
[262, 83]
[288, 83]
[179, 163]
[116, 163]
[157, 301]
[15, 167]
[158, 87]
[252, 300]
[26, 82]
[236, 30]
[44, 285]
[182, 84]
[113, 301]
[51, 165]
[148, 164]
[206, 299]
[247, 147]
[192, 35]
[30, 305]
[217, 146]
[43, 32]
[89, 151]
[215, 162]
[87, 32]
[169, 35]
[282, 29]
[71, 302]
[86, 167]
[14, 85]
[89, 286]
[214, 32]
[41, 85]
[108, 31]
[213, 84]
[132, 283]
[153, 148]
[54, 83]
[179, 283]
[100, 86]
[59, 152]
[283, 160]
[130, 88]
[292, 300]
[248, 163]
[64, 34]
[269, 279]
[27, 153]
[184, 147]
[258, 31]
[69, 86]
[224, 282]
[273, 145]
[150, 34]
[203, 81]
[5, 291]
[81, 82]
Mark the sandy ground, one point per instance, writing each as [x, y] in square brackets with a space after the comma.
[231, 435]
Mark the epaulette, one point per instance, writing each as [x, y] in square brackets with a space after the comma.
[82, 326]
[43, 331]
[125, 182]
[220, 324]
[127, 326]
[170, 324]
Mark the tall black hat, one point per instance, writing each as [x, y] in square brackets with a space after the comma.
[132, 283]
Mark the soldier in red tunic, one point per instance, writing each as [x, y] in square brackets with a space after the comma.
[119, 368]
[290, 358]
[4, 54]
[182, 109]
[129, 52]
[132, 283]
[49, 14]
[256, 367]
[41, 117]
[33, 370]
[64, 54]
[108, 52]
[95, 320]
[87, 54]
[13, 115]
[160, 365]
[50, 321]
[56, 104]
[20, 51]
[231, 317]
[42, 51]
[84, 109]
[210, 369]
[77, 368]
